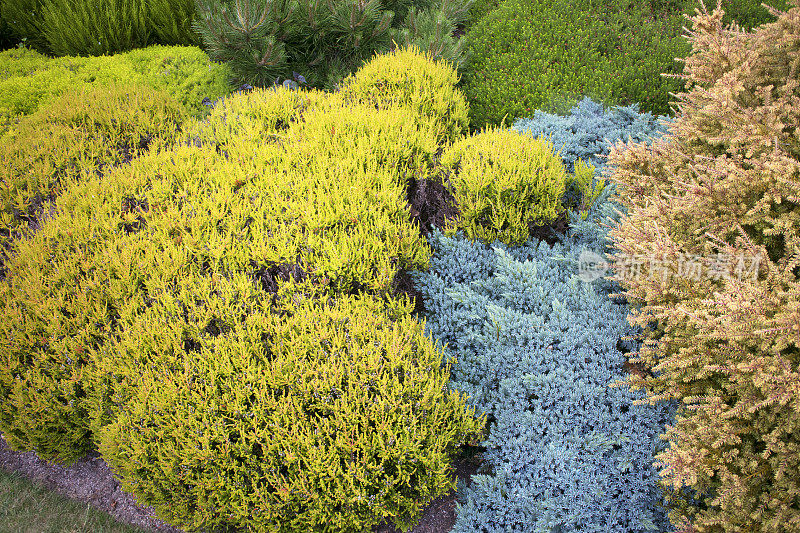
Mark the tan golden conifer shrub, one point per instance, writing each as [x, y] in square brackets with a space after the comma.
[721, 331]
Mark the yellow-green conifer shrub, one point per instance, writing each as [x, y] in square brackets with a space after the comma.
[114, 243]
[84, 130]
[322, 416]
[708, 256]
[409, 78]
[64, 288]
[257, 115]
[504, 184]
[395, 138]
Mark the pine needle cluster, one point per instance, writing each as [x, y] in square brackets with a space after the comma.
[320, 42]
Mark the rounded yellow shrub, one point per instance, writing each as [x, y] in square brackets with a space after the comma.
[321, 416]
[224, 325]
[409, 78]
[259, 115]
[504, 184]
[393, 138]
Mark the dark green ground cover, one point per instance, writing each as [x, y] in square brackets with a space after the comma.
[541, 54]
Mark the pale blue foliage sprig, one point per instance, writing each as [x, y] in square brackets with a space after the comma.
[587, 133]
[537, 349]
[589, 130]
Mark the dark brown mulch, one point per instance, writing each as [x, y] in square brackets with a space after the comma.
[440, 515]
[90, 481]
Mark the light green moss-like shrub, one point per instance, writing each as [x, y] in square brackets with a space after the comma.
[17, 62]
[748, 14]
[406, 77]
[185, 73]
[504, 184]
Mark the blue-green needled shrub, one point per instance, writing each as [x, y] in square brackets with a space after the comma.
[536, 349]
[587, 133]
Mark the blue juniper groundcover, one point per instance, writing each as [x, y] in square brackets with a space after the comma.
[536, 349]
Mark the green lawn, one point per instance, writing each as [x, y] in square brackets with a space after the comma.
[28, 508]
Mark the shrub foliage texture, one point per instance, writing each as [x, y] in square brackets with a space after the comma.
[537, 350]
[719, 195]
[29, 79]
[541, 54]
[220, 319]
[88, 129]
[98, 27]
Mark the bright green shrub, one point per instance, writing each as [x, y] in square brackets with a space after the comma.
[94, 27]
[536, 54]
[184, 72]
[408, 78]
[84, 130]
[321, 416]
[504, 184]
[746, 13]
[345, 224]
[479, 9]
[708, 256]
